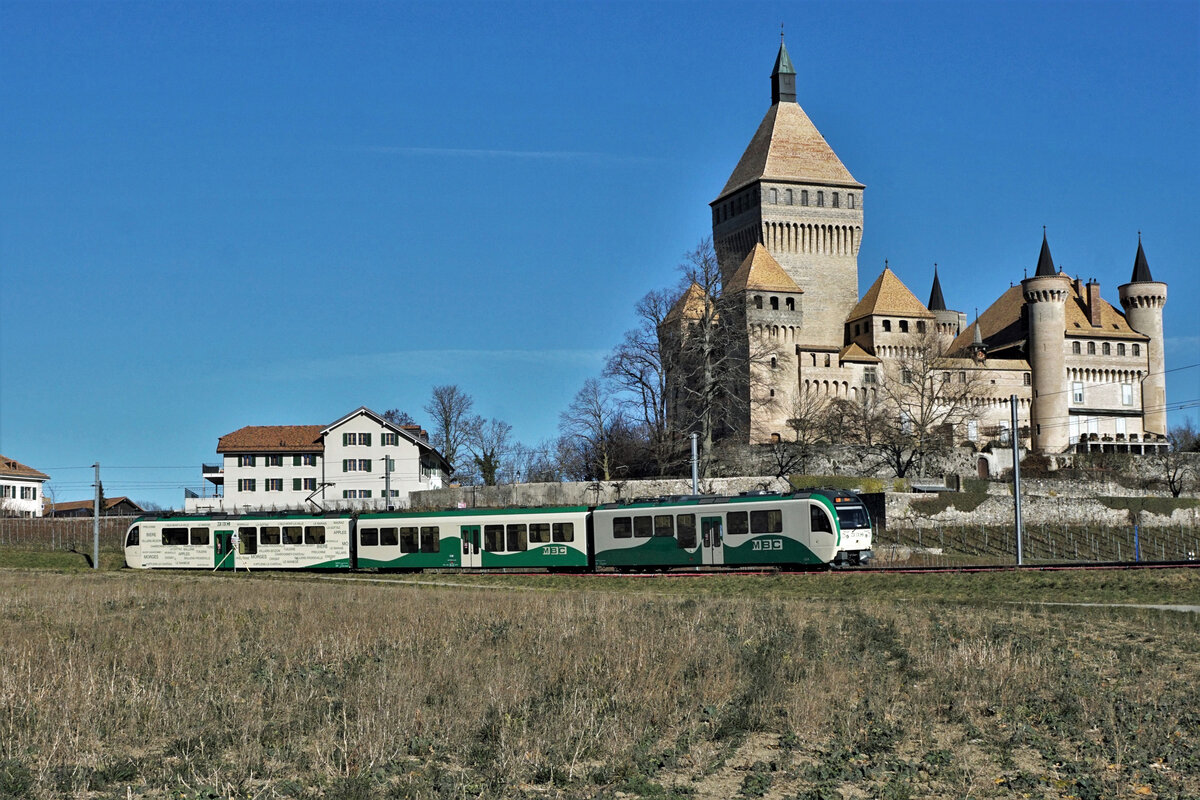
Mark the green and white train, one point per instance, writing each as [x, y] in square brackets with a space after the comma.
[811, 528]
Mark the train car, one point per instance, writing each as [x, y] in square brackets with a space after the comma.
[798, 529]
[855, 525]
[261, 541]
[477, 538]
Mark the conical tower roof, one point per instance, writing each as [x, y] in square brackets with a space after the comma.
[1045, 262]
[1141, 268]
[936, 301]
[761, 271]
[690, 305]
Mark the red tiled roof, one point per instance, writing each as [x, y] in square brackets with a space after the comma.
[15, 469]
[273, 439]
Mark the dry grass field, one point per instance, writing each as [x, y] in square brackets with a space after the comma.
[196, 686]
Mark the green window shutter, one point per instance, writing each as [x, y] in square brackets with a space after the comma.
[365, 438]
[365, 464]
[345, 439]
[295, 461]
[295, 484]
[345, 465]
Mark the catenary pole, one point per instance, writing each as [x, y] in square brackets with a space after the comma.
[96, 521]
[695, 464]
[1016, 457]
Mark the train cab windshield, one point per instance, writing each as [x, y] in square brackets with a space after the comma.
[853, 517]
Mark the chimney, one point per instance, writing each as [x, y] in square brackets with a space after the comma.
[1079, 287]
[1093, 303]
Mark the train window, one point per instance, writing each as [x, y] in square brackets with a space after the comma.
[516, 538]
[132, 539]
[388, 537]
[643, 527]
[564, 531]
[269, 535]
[293, 534]
[766, 521]
[409, 542]
[493, 538]
[248, 540]
[664, 525]
[199, 535]
[853, 517]
[431, 539]
[175, 535]
[820, 520]
[686, 525]
[368, 537]
[539, 532]
[737, 522]
[314, 534]
[622, 527]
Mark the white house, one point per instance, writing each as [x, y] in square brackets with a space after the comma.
[20, 489]
[359, 462]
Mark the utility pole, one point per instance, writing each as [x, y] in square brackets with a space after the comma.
[1016, 457]
[387, 483]
[96, 521]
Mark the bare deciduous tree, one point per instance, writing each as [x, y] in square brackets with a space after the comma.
[398, 417]
[589, 430]
[488, 442]
[922, 401]
[449, 408]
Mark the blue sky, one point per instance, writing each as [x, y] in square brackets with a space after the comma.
[217, 215]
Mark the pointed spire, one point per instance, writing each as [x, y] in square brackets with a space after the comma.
[977, 341]
[1045, 262]
[783, 76]
[1141, 269]
[936, 301]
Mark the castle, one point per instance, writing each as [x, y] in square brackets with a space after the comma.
[787, 228]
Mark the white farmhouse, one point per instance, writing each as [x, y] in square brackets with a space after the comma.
[20, 489]
[359, 462]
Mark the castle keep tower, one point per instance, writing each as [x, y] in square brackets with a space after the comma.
[1143, 299]
[1046, 296]
[791, 193]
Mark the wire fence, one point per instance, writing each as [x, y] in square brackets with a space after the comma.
[72, 534]
[944, 545]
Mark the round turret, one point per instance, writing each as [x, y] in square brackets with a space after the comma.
[1143, 299]
[1046, 296]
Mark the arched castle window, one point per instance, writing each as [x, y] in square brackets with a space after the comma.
[758, 301]
[904, 326]
[1075, 348]
[804, 197]
[1107, 349]
[827, 359]
[920, 326]
[820, 198]
[1121, 349]
[1091, 348]
[791, 306]
[1028, 380]
[774, 303]
[835, 200]
[887, 325]
[774, 363]
[774, 196]
[850, 200]
[788, 196]
[1137, 349]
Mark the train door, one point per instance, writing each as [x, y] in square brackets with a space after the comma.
[470, 546]
[223, 549]
[712, 540]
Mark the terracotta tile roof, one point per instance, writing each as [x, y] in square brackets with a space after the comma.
[1003, 323]
[760, 270]
[15, 469]
[107, 504]
[273, 439]
[690, 305]
[888, 295]
[788, 147]
[856, 354]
